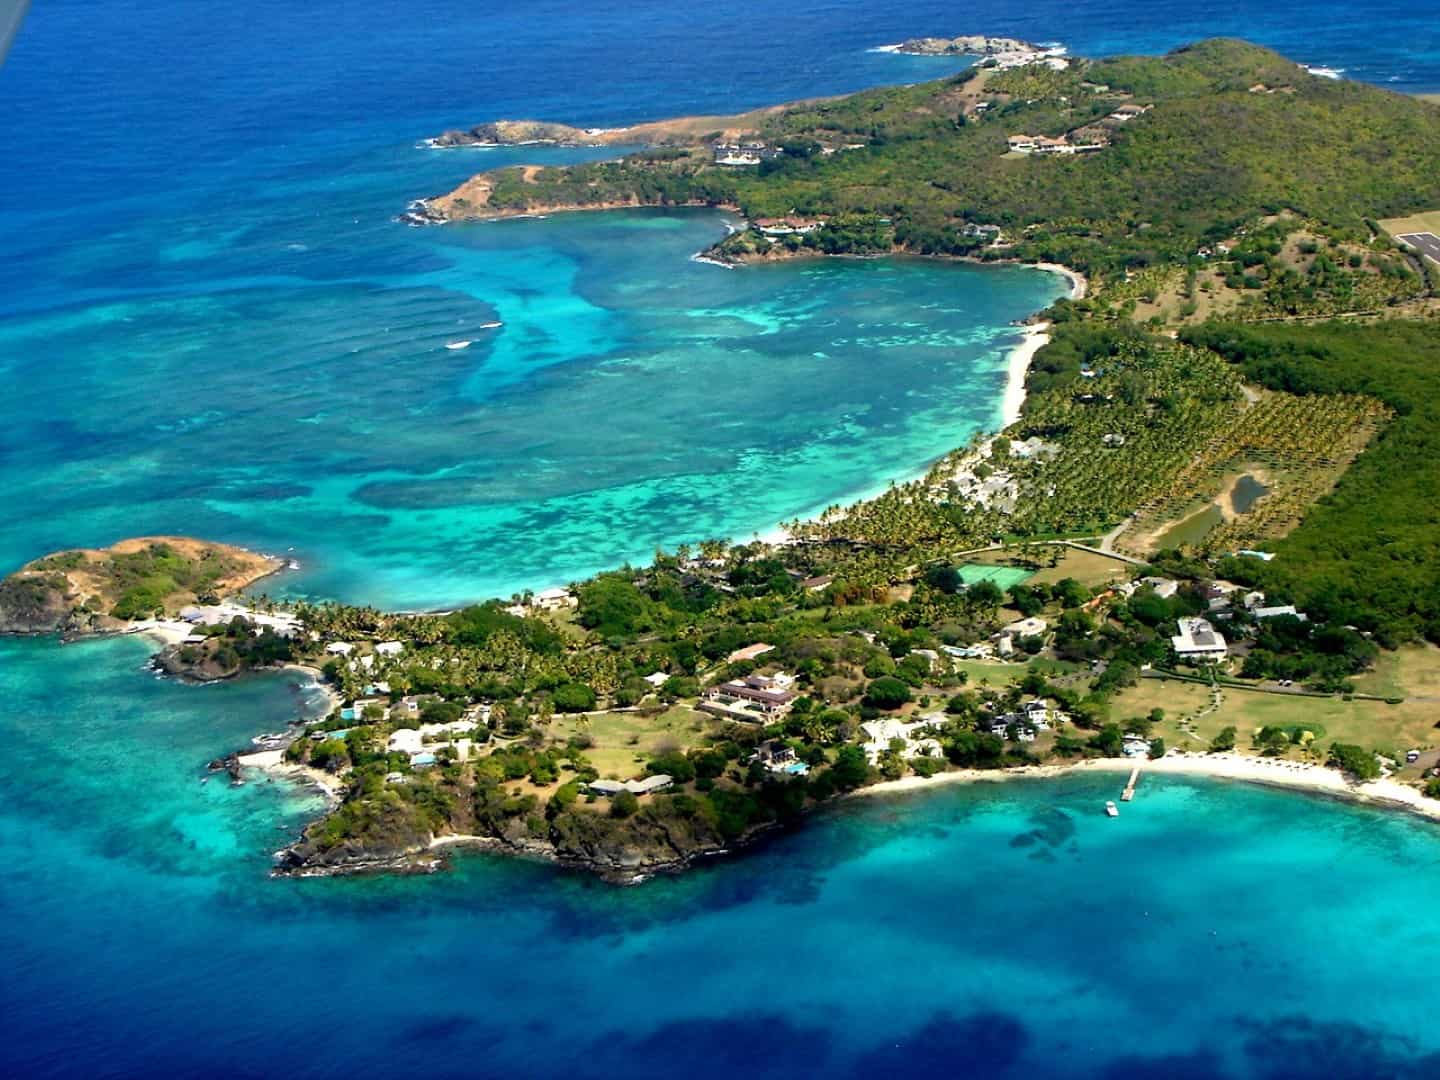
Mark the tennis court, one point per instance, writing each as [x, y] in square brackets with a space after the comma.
[1003, 576]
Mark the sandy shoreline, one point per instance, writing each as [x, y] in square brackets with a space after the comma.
[1270, 772]
[273, 763]
[1034, 337]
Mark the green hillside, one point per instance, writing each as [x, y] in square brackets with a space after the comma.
[1235, 132]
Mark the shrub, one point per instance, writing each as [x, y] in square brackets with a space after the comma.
[887, 692]
[624, 805]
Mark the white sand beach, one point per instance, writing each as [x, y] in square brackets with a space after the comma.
[273, 763]
[1273, 772]
[1078, 285]
[166, 631]
[1035, 338]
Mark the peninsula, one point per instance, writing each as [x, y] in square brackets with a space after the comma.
[1208, 541]
[126, 587]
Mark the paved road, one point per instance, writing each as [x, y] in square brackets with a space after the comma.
[1427, 243]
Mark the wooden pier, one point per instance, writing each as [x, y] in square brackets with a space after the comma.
[1129, 792]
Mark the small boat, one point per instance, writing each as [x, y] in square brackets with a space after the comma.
[458, 344]
[490, 325]
[1111, 810]
[292, 565]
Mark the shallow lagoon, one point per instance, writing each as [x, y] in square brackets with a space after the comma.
[631, 398]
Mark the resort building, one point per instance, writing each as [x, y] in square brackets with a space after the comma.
[787, 226]
[339, 648]
[405, 741]
[1263, 556]
[1199, 641]
[646, 786]
[1165, 588]
[389, 648]
[978, 651]
[1278, 612]
[1136, 746]
[774, 754]
[1037, 713]
[1129, 112]
[554, 600]
[931, 656]
[881, 733]
[769, 695]
[1032, 627]
[736, 154]
[1044, 144]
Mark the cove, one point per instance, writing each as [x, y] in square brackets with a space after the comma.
[630, 398]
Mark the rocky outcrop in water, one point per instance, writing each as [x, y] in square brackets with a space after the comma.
[965, 45]
[513, 133]
[212, 662]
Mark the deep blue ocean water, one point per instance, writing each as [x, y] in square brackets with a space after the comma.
[209, 323]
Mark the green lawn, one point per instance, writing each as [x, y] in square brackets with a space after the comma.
[1372, 724]
[622, 741]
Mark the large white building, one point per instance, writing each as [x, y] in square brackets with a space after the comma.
[1198, 640]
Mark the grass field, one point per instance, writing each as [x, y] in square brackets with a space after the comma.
[621, 742]
[1085, 567]
[1371, 724]
[1413, 671]
[1428, 221]
[1091, 570]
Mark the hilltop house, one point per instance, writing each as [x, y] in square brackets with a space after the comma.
[648, 786]
[554, 599]
[1044, 144]
[737, 154]
[1128, 112]
[786, 226]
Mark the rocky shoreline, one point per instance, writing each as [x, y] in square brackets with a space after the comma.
[642, 856]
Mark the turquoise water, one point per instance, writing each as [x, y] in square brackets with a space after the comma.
[987, 931]
[631, 398]
[210, 323]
